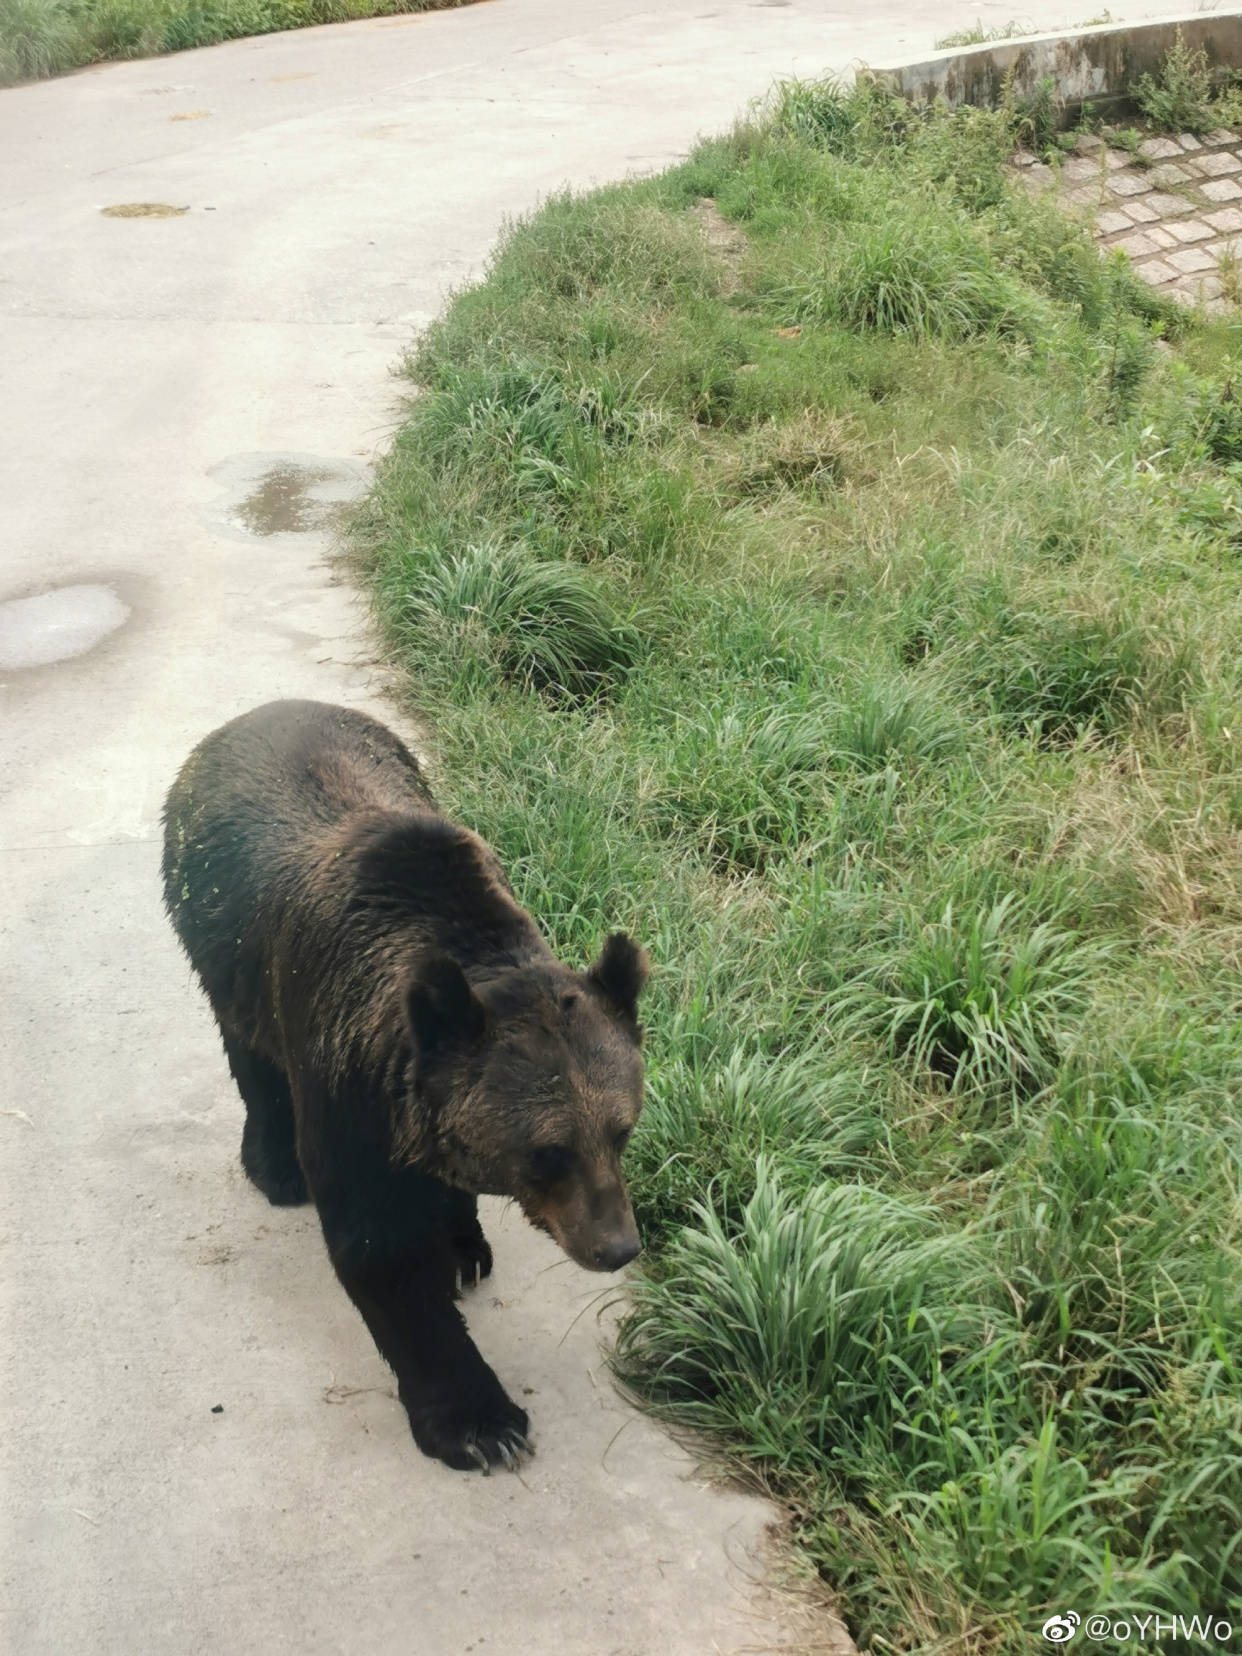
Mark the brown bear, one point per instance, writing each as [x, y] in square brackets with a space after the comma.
[402, 1036]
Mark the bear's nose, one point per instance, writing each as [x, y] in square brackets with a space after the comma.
[616, 1254]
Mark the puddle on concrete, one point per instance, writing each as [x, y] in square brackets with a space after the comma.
[285, 494]
[283, 503]
[143, 209]
[53, 626]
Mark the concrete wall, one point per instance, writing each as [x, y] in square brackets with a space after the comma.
[1092, 65]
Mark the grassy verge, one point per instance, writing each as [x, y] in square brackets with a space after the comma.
[48, 37]
[816, 560]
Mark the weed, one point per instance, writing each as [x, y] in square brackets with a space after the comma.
[742, 777]
[1179, 99]
[1229, 270]
[813, 452]
[1127, 348]
[1125, 138]
[1227, 108]
[888, 719]
[1036, 115]
[848, 120]
[1216, 413]
[1069, 665]
[979, 36]
[816, 1316]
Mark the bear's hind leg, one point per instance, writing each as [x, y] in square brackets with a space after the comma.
[268, 1148]
[471, 1250]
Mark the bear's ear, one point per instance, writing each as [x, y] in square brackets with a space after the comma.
[620, 972]
[442, 1009]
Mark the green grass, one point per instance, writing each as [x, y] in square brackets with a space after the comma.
[547, 625]
[49, 37]
[979, 35]
[851, 609]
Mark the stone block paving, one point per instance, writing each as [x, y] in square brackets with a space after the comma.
[1174, 208]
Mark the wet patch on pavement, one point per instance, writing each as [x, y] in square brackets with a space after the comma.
[284, 494]
[143, 209]
[57, 625]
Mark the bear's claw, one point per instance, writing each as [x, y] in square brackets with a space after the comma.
[469, 1444]
[510, 1448]
[514, 1451]
[473, 1255]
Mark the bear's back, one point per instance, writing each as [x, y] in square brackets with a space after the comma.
[310, 760]
[258, 814]
[301, 840]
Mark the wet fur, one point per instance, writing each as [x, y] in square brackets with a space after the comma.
[401, 1034]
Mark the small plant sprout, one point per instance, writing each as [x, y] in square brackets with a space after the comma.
[1229, 272]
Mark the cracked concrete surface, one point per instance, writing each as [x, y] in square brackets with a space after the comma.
[202, 1452]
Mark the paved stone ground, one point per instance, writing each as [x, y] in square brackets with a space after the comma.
[1175, 208]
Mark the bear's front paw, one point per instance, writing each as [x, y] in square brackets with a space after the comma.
[473, 1434]
[473, 1258]
[284, 1184]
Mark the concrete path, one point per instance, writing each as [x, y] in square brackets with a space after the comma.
[200, 1450]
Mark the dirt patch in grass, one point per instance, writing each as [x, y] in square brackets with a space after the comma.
[724, 238]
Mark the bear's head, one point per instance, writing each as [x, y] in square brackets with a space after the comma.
[528, 1084]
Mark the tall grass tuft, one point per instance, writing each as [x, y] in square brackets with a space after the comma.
[36, 39]
[923, 276]
[741, 778]
[817, 1322]
[544, 624]
[1056, 674]
[984, 999]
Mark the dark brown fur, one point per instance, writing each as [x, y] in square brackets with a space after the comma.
[402, 1036]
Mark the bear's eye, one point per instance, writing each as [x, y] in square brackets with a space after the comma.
[551, 1163]
[622, 1138]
